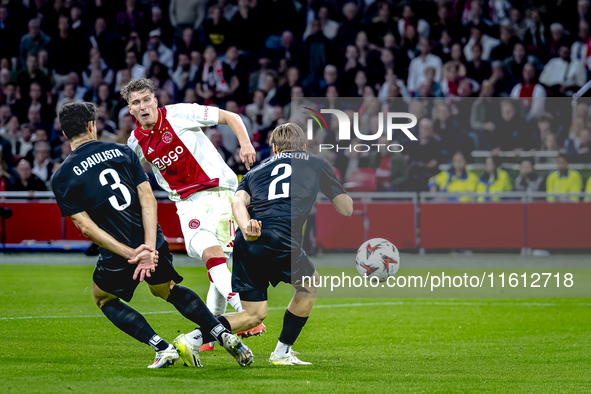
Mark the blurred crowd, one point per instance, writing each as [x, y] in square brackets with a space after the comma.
[493, 75]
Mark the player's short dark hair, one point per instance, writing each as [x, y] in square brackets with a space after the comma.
[288, 137]
[74, 118]
[137, 85]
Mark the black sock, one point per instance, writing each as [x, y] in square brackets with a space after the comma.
[292, 326]
[215, 335]
[188, 303]
[132, 323]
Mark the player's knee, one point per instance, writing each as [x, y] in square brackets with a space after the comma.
[260, 316]
[161, 291]
[154, 291]
[312, 285]
[257, 317]
[212, 252]
[102, 301]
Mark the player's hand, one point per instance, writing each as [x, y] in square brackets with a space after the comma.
[144, 270]
[253, 230]
[144, 254]
[248, 155]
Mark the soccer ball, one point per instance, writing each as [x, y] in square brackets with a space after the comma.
[377, 257]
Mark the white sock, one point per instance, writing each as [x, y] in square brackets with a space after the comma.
[282, 350]
[195, 338]
[222, 279]
[216, 302]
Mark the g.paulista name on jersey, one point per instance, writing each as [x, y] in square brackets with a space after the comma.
[95, 159]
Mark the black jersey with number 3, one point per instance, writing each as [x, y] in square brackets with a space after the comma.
[101, 179]
[286, 185]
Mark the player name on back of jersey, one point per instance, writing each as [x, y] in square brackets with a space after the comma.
[287, 155]
[95, 159]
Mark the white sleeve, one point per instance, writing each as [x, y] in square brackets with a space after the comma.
[539, 91]
[135, 147]
[515, 90]
[545, 75]
[202, 115]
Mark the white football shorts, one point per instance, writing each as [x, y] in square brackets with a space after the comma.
[207, 220]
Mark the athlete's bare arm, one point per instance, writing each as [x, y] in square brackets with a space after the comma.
[247, 152]
[343, 204]
[144, 256]
[251, 228]
[149, 213]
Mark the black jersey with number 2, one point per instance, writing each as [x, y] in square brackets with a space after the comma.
[286, 185]
[101, 179]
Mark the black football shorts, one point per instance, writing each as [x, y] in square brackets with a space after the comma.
[271, 259]
[115, 275]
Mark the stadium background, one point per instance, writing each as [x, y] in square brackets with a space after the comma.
[442, 61]
[54, 339]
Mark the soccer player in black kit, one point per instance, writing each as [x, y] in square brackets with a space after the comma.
[271, 206]
[104, 190]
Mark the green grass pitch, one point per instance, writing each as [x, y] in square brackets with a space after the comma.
[388, 345]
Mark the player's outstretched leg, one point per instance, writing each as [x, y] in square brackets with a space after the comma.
[135, 325]
[230, 342]
[294, 320]
[217, 304]
[251, 317]
[221, 277]
[190, 305]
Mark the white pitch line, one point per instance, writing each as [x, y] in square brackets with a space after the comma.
[435, 303]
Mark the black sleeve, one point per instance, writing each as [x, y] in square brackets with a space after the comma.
[329, 184]
[243, 185]
[67, 206]
[139, 175]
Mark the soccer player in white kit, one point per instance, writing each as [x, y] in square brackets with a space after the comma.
[187, 165]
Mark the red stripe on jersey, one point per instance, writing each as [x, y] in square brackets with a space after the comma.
[164, 149]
